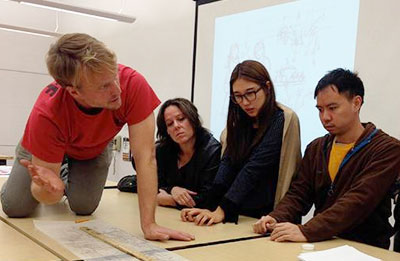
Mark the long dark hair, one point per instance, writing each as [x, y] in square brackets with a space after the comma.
[190, 112]
[240, 132]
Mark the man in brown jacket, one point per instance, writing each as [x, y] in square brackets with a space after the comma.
[347, 174]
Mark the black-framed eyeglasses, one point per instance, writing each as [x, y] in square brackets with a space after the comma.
[249, 96]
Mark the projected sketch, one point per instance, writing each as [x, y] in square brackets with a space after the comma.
[298, 42]
[260, 54]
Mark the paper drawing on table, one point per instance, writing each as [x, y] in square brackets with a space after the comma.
[5, 170]
[86, 247]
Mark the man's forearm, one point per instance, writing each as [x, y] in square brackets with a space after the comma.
[147, 192]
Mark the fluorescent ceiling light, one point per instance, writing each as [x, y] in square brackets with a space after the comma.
[79, 10]
[27, 30]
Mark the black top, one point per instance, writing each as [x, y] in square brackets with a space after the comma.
[249, 189]
[197, 175]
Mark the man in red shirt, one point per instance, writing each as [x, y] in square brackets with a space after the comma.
[74, 119]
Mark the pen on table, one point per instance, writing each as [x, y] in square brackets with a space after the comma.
[81, 220]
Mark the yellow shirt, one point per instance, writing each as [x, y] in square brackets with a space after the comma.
[338, 152]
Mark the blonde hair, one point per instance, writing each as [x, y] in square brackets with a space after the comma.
[69, 58]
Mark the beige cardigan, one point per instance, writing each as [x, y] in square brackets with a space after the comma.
[290, 151]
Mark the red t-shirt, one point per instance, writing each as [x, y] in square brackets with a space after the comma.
[56, 125]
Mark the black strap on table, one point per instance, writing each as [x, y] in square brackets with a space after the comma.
[217, 242]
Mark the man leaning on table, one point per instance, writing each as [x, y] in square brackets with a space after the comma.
[347, 174]
[75, 117]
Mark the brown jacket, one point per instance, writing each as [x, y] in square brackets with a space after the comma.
[356, 205]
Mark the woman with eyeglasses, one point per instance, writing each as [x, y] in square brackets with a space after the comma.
[188, 156]
[262, 151]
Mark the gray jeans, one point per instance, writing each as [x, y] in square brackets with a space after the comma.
[84, 185]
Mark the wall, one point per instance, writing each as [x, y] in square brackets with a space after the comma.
[159, 45]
